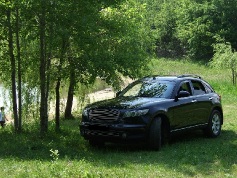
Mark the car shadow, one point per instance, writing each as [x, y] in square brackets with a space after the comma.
[203, 154]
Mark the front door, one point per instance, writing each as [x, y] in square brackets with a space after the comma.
[183, 109]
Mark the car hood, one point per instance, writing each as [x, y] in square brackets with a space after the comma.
[125, 102]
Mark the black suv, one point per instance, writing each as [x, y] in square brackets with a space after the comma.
[151, 109]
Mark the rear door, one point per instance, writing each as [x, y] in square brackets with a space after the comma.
[202, 102]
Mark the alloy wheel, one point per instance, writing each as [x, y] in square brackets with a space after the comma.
[216, 123]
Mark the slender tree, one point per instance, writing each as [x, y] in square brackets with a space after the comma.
[13, 67]
[72, 84]
[58, 84]
[43, 99]
[19, 67]
[225, 57]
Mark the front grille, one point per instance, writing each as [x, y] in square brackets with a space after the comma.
[103, 114]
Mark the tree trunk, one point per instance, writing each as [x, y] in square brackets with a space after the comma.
[43, 99]
[57, 108]
[57, 88]
[68, 110]
[19, 71]
[48, 63]
[47, 83]
[233, 76]
[13, 69]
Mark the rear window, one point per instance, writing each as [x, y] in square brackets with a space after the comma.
[198, 87]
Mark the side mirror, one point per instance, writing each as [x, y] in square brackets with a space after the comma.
[118, 93]
[182, 94]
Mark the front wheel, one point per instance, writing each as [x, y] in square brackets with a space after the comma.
[155, 134]
[214, 126]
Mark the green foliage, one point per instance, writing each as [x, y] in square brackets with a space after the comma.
[224, 20]
[225, 57]
[54, 155]
[187, 27]
[168, 44]
[124, 39]
[196, 27]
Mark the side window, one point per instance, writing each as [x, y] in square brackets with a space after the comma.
[198, 87]
[208, 88]
[185, 86]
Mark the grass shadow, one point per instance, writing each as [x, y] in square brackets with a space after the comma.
[189, 153]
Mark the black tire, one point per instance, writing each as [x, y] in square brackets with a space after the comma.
[96, 143]
[155, 134]
[214, 126]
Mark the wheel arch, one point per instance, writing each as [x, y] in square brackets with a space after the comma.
[165, 124]
[221, 112]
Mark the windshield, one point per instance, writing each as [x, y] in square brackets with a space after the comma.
[160, 89]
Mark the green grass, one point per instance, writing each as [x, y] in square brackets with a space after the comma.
[188, 155]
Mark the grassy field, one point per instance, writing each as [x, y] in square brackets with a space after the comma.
[188, 155]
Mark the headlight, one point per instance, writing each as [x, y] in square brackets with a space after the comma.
[85, 112]
[135, 113]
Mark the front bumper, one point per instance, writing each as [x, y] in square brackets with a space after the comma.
[113, 132]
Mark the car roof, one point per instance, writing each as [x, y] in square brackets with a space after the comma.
[171, 77]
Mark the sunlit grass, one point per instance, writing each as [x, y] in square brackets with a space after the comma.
[187, 155]
[179, 67]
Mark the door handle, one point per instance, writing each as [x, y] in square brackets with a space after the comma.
[210, 98]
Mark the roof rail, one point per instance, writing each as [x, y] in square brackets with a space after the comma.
[151, 76]
[189, 75]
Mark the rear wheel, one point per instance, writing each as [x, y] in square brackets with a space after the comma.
[155, 134]
[214, 126]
